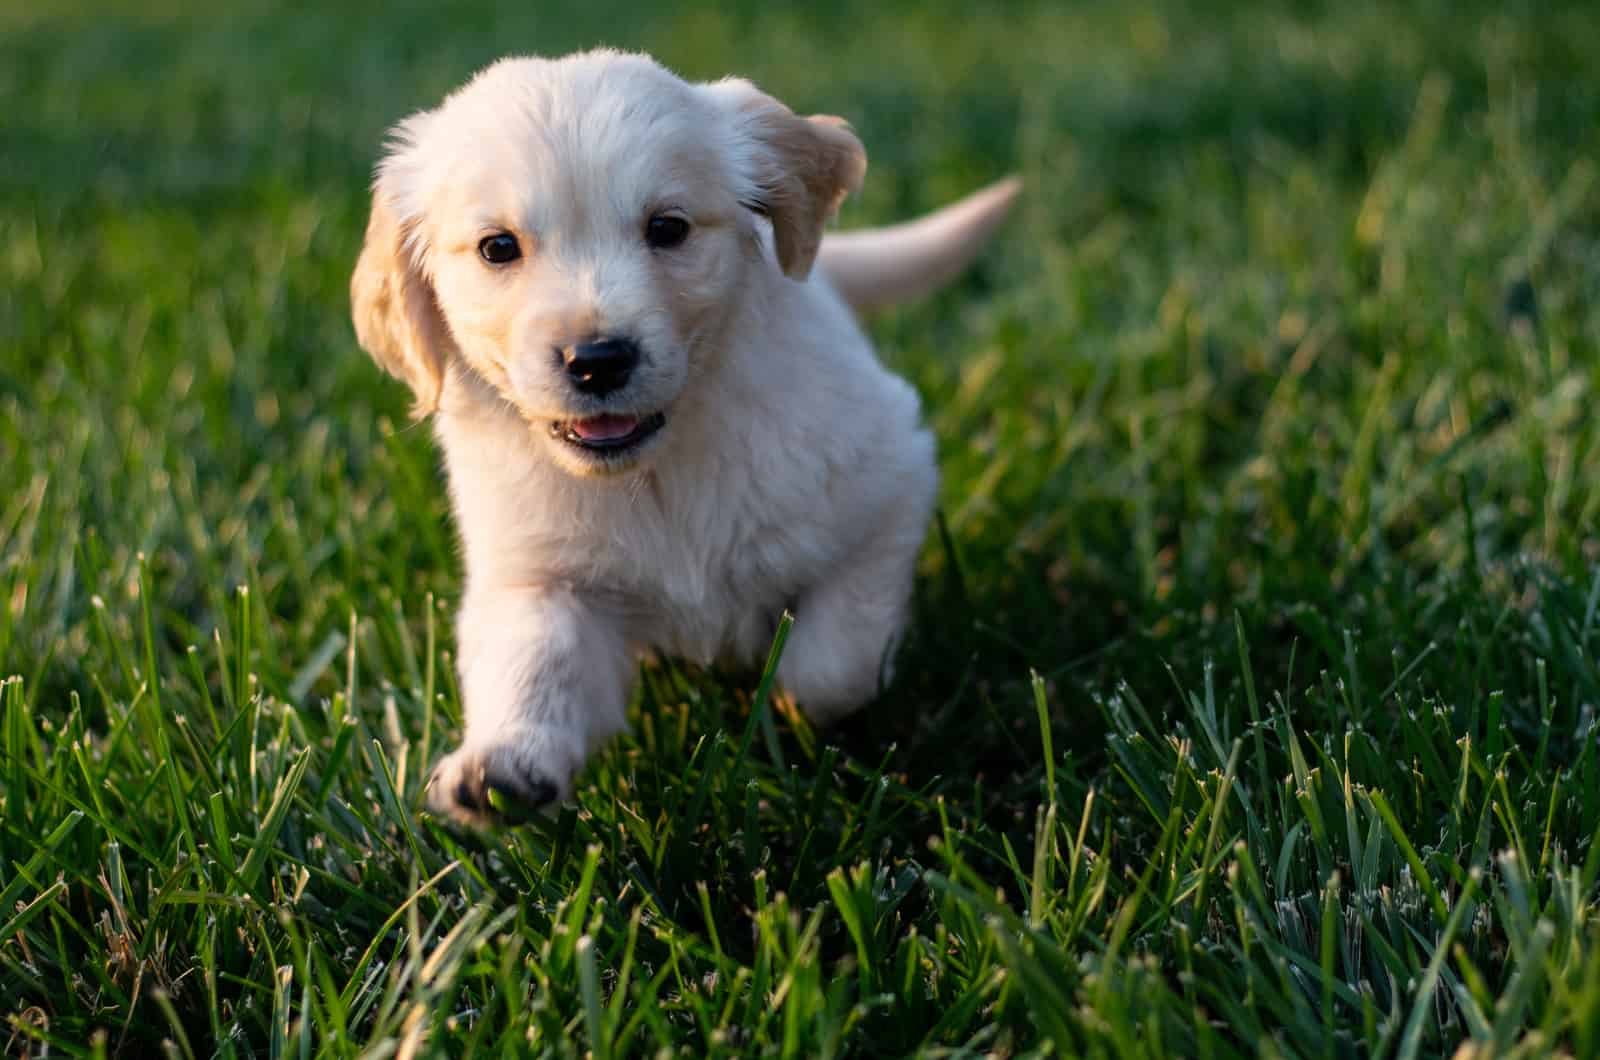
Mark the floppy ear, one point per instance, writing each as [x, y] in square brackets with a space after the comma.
[396, 313]
[801, 169]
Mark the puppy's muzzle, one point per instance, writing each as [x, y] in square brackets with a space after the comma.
[600, 366]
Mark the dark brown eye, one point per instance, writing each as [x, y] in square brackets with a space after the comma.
[499, 248]
[663, 231]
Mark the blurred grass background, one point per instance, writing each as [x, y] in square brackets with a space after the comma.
[1267, 420]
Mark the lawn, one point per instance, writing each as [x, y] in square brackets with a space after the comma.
[1251, 707]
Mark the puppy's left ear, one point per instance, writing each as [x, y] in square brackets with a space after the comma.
[801, 168]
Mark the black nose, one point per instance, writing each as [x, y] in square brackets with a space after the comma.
[601, 366]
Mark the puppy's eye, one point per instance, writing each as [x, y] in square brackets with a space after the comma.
[499, 248]
[664, 231]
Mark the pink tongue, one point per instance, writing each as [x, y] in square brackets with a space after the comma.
[605, 428]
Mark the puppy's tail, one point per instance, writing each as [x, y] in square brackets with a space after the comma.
[877, 267]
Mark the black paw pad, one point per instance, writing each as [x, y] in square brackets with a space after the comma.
[470, 795]
[515, 797]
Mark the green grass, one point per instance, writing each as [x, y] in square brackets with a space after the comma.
[1251, 705]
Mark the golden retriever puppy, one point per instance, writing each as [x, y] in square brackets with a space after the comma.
[663, 426]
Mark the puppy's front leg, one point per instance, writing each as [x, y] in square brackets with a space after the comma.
[545, 679]
[847, 628]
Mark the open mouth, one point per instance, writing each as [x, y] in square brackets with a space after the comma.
[609, 433]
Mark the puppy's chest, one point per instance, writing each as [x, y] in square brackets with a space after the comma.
[694, 560]
[706, 573]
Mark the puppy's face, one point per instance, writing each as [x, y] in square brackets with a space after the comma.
[575, 234]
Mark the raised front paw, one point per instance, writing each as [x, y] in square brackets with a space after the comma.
[482, 785]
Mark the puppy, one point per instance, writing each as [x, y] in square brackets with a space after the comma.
[663, 426]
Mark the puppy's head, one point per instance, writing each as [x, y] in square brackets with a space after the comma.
[575, 234]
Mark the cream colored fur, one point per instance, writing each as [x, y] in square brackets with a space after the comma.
[793, 470]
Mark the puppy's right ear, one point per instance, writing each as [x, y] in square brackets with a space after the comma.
[395, 310]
